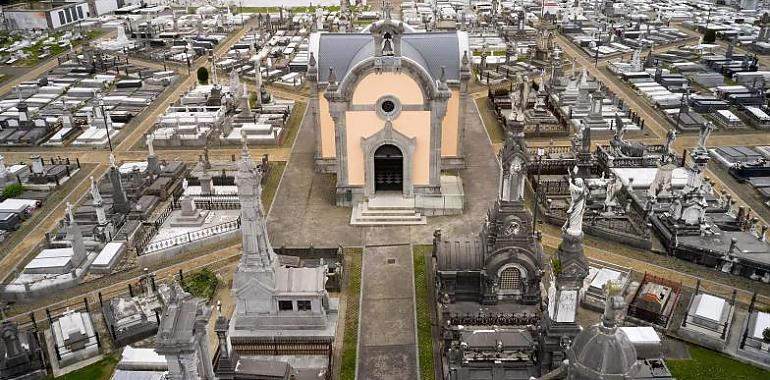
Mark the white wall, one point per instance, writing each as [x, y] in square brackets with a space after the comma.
[105, 6]
[73, 10]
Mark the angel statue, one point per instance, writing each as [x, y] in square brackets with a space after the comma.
[578, 191]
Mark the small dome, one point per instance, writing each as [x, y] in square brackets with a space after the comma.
[601, 352]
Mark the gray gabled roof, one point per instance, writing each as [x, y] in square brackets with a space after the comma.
[430, 50]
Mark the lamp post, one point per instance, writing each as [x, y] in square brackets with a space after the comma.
[540, 154]
[106, 126]
[164, 63]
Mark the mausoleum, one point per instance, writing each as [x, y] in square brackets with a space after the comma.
[388, 109]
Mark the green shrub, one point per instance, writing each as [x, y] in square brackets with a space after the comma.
[201, 284]
[203, 75]
[13, 190]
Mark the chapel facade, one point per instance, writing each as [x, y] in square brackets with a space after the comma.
[387, 106]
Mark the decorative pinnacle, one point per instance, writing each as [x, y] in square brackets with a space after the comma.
[332, 76]
[311, 62]
[442, 79]
[464, 60]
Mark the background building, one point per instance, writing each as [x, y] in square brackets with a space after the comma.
[45, 15]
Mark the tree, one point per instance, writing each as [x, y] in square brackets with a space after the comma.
[203, 75]
[766, 334]
[710, 36]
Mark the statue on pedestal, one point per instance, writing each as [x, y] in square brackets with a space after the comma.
[578, 192]
[614, 184]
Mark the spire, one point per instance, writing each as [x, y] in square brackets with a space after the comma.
[257, 253]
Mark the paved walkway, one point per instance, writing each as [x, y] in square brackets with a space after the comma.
[308, 215]
[387, 340]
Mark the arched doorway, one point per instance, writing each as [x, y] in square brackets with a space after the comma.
[388, 168]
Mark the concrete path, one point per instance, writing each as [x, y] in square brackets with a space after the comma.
[386, 339]
[305, 211]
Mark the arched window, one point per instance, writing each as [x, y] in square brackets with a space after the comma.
[387, 45]
[510, 279]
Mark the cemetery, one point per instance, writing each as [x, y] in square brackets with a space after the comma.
[458, 190]
[85, 101]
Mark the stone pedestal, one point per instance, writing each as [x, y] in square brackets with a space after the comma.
[574, 268]
[207, 185]
[190, 216]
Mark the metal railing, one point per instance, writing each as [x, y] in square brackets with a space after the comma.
[192, 236]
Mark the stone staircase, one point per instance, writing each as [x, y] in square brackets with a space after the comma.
[386, 210]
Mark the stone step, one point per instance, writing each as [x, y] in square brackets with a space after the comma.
[388, 202]
[363, 215]
[365, 211]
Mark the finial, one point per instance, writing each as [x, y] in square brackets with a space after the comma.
[443, 75]
[311, 62]
[464, 60]
[612, 303]
[332, 76]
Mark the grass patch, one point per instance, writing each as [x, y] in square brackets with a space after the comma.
[493, 127]
[53, 49]
[292, 126]
[270, 187]
[352, 297]
[424, 334]
[13, 190]
[707, 364]
[201, 284]
[101, 370]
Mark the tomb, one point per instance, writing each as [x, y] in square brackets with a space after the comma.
[276, 306]
[708, 319]
[489, 287]
[74, 338]
[22, 354]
